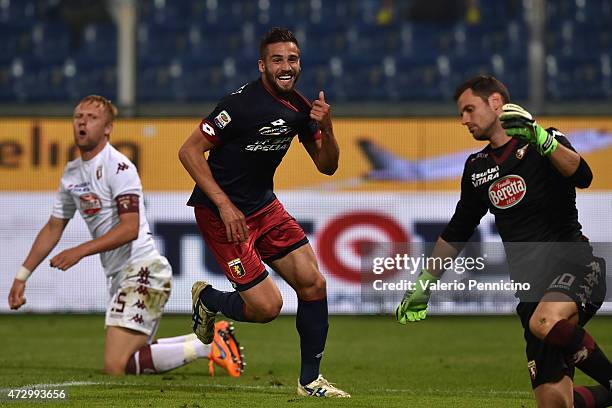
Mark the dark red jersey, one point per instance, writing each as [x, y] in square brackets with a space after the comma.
[252, 130]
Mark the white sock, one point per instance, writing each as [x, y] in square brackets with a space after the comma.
[172, 355]
[177, 339]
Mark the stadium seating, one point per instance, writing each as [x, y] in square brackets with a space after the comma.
[191, 50]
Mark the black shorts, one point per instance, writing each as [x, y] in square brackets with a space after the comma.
[546, 363]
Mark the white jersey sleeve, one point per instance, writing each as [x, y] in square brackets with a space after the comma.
[122, 178]
[64, 206]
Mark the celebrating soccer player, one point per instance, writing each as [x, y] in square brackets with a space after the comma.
[240, 218]
[104, 186]
[530, 177]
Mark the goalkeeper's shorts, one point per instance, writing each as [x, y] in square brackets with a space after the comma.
[586, 287]
[139, 294]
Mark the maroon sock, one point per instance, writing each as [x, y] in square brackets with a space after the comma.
[592, 397]
[141, 362]
[581, 350]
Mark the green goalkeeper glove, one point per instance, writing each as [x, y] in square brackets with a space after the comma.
[519, 123]
[414, 304]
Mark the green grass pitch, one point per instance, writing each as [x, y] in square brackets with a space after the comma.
[444, 361]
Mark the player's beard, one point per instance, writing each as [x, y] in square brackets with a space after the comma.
[271, 79]
[484, 134]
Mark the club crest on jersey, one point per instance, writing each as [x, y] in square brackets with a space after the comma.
[99, 173]
[236, 268]
[222, 119]
[520, 153]
[277, 128]
[90, 204]
[508, 191]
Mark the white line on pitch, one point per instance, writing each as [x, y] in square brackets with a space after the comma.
[279, 387]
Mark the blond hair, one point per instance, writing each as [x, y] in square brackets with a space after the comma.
[109, 108]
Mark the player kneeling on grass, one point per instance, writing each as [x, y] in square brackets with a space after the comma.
[104, 186]
[567, 284]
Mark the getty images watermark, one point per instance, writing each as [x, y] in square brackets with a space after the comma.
[411, 266]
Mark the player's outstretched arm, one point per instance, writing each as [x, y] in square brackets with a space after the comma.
[191, 155]
[413, 307]
[45, 241]
[324, 152]
[124, 232]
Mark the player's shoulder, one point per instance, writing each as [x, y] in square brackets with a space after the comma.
[72, 165]
[115, 162]
[241, 96]
[115, 156]
[481, 155]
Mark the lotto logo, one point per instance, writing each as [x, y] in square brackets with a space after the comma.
[205, 127]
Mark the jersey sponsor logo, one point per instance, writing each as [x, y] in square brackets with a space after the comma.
[222, 119]
[507, 191]
[90, 204]
[277, 128]
[121, 166]
[270, 145]
[79, 188]
[205, 127]
[489, 174]
[479, 155]
[236, 268]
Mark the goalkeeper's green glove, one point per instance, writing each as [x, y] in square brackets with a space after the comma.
[414, 304]
[519, 123]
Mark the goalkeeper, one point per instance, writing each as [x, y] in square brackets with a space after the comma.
[526, 177]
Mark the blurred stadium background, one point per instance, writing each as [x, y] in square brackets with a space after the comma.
[389, 69]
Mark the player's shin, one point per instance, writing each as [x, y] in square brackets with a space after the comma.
[312, 325]
[581, 349]
[230, 304]
[160, 357]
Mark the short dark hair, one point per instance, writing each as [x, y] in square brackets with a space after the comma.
[484, 86]
[276, 35]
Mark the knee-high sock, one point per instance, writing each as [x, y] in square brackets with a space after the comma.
[592, 397]
[312, 325]
[177, 339]
[580, 348]
[228, 303]
[158, 358]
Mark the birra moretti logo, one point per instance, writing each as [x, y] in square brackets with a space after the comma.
[507, 191]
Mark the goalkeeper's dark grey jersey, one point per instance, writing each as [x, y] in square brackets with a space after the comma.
[532, 203]
[530, 199]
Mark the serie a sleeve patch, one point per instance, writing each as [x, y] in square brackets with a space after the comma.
[127, 203]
